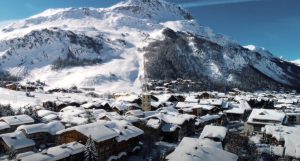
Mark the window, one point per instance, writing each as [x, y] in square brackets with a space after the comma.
[101, 150]
[292, 119]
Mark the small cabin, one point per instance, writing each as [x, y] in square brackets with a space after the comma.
[10, 123]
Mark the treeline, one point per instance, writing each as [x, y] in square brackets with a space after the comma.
[62, 63]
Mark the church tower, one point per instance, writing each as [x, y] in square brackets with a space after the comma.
[146, 97]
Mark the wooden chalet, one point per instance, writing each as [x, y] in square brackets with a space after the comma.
[41, 133]
[16, 142]
[112, 139]
[173, 127]
[73, 151]
[10, 123]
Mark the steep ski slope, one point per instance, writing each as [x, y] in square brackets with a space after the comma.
[104, 48]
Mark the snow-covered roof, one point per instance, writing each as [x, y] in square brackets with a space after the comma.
[169, 127]
[191, 99]
[73, 115]
[292, 145]
[91, 104]
[186, 104]
[172, 117]
[98, 131]
[71, 111]
[287, 101]
[74, 120]
[193, 105]
[135, 112]
[266, 116]
[205, 107]
[150, 113]
[244, 104]
[131, 118]
[153, 122]
[235, 108]
[162, 98]
[281, 105]
[21, 155]
[128, 98]
[155, 104]
[17, 119]
[50, 117]
[54, 153]
[122, 105]
[216, 102]
[4, 125]
[210, 131]
[191, 149]
[36, 157]
[289, 134]
[124, 129]
[51, 127]
[208, 117]
[17, 140]
[43, 113]
[111, 116]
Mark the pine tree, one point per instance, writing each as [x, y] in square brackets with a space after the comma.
[89, 116]
[162, 155]
[30, 110]
[90, 153]
[7, 110]
[19, 112]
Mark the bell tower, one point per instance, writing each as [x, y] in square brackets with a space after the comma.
[146, 97]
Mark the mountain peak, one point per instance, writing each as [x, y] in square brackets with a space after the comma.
[153, 9]
[296, 62]
[260, 50]
[57, 45]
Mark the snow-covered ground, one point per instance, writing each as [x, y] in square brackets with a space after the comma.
[18, 99]
[116, 36]
[123, 32]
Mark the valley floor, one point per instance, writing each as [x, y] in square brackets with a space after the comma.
[204, 126]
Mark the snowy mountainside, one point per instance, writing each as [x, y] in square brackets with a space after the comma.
[156, 10]
[260, 50]
[184, 55]
[296, 62]
[41, 47]
[104, 48]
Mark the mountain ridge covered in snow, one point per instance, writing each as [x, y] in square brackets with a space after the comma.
[106, 48]
[296, 62]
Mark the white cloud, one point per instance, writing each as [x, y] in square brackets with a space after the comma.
[6, 23]
[212, 2]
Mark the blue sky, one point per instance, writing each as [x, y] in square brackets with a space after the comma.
[273, 24]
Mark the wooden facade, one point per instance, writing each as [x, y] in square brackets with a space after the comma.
[105, 148]
[12, 128]
[5, 149]
[40, 138]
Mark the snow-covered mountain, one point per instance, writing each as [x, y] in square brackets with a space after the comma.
[296, 62]
[105, 48]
